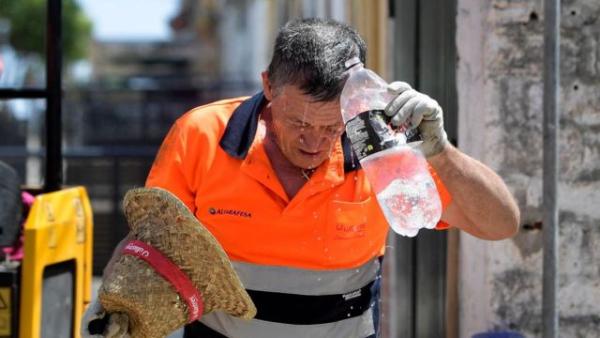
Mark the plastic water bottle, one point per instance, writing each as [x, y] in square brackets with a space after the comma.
[396, 169]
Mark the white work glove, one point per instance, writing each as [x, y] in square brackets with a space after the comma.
[412, 109]
[115, 326]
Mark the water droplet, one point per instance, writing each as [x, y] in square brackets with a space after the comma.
[351, 307]
[348, 315]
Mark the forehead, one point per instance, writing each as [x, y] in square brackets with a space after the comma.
[290, 102]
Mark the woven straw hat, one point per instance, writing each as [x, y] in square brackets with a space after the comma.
[155, 309]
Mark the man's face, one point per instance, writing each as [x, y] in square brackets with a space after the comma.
[305, 131]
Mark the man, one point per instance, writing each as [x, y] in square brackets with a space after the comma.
[273, 177]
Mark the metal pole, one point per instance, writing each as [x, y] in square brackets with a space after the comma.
[53, 177]
[550, 193]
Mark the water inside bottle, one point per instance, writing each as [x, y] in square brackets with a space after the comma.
[404, 188]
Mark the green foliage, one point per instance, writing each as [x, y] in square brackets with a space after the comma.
[28, 27]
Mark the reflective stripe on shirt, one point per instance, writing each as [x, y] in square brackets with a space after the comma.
[306, 281]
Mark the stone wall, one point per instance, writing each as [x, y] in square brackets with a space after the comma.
[499, 79]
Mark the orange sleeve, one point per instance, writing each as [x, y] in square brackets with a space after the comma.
[444, 194]
[169, 169]
[189, 150]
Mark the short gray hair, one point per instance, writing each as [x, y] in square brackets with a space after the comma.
[310, 54]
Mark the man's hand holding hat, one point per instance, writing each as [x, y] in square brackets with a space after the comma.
[96, 324]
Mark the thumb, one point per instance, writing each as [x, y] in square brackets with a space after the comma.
[118, 326]
[398, 87]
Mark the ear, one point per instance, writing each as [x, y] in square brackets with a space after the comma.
[267, 88]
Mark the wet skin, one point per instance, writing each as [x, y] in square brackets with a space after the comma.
[305, 131]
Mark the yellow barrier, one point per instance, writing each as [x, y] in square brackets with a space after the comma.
[58, 229]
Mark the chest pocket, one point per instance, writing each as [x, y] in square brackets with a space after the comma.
[349, 238]
[347, 220]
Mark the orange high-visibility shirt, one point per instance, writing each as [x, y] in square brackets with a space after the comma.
[216, 166]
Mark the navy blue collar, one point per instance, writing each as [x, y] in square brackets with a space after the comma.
[241, 130]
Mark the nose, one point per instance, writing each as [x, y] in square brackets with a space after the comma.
[309, 143]
[313, 139]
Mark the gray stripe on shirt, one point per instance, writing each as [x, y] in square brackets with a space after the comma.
[305, 281]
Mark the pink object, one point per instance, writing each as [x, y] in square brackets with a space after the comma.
[15, 251]
[27, 199]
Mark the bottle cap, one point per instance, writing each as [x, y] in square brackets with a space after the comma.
[352, 62]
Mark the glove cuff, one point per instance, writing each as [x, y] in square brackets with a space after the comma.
[435, 144]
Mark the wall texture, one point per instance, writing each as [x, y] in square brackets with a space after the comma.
[499, 78]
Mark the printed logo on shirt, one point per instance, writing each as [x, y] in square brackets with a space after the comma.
[351, 295]
[229, 212]
[346, 231]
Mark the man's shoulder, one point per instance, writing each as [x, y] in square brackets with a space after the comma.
[211, 116]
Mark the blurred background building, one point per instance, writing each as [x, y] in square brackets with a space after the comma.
[133, 66]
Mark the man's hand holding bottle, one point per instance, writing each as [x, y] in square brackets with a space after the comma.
[413, 109]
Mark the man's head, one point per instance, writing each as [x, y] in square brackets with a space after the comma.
[303, 83]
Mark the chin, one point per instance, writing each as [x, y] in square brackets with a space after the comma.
[310, 164]
[301, 160]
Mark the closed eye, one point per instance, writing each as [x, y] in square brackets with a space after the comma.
[300, 124]
[333, 129]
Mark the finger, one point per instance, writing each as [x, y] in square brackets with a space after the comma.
[419, 113]
[404, 113]
[394, 106]
[124, 326]
[434, 111]
[118, 326]
[113, 328]
[397, 87]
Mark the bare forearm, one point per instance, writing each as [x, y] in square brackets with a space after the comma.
[481, 203]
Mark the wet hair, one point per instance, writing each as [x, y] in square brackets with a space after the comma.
[310, 54]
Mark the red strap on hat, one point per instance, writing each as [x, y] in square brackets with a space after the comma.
[169, 271]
